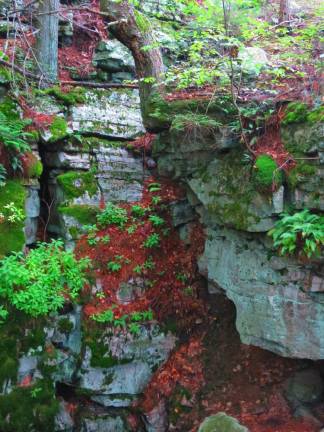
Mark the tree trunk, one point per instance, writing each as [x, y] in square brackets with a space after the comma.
[283, 10]
[47, 39]
[134, 30]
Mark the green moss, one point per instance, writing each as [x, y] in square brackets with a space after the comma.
[17, 336]
[300, 173]
[58, 129]
[76, 184]
[11, 234]
[316, 115]
[296, 112]
[73, 97]
[89, 143]
[231, 191]
[84, 214]
[65, 325]
[266, 172]
[29, 408]
[143, 23]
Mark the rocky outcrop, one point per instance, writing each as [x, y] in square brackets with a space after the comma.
[279, 301]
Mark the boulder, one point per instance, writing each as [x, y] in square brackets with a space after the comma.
[304, 387]
[253, 60]
[113, 56]
[221, 422]
[127, 362]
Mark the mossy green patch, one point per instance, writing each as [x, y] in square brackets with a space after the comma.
[227, 191]
[12, 237]
[29, 408]
[17, 336]
[77, 183]
[143, 23]
[73, 97]
[300, 173]
[266, 172]
[85, 214]
[89, 143]
[58, 129]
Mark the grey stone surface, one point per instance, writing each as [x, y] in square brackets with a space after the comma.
[113, 56]
[274, 309]
[304, 387]
[253, 60]
[109, 113]
[136, 358]
[63, 420]
[157, 419]
[221, 422]
[104, 424]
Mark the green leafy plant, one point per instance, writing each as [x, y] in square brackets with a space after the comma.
[105, 239]
[12, 214]
[40, 282]
[302, 232]
[131, 229]
[138, 211]
[113, 215]
[156, 220]
[129, 322]
[92, 241]
[153, 240]
[156, 200]
[154, 187]
[114, 266]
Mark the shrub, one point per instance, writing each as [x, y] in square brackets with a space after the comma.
[267, 172]
[300, 232]
[40, 282]
[112, 215]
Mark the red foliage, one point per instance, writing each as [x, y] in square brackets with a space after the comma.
[40, 121]
[89, 29]
[166, 295]
[270, 143]
[183, 368]
[143, 143]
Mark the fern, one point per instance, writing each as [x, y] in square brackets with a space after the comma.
[300, 232]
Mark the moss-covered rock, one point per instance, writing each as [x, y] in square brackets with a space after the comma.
[267, 173]
[77, 183]
[221, 422]
[12, 237]
[58, 129]
[84, 214]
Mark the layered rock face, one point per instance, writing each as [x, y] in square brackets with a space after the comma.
[279, 300]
